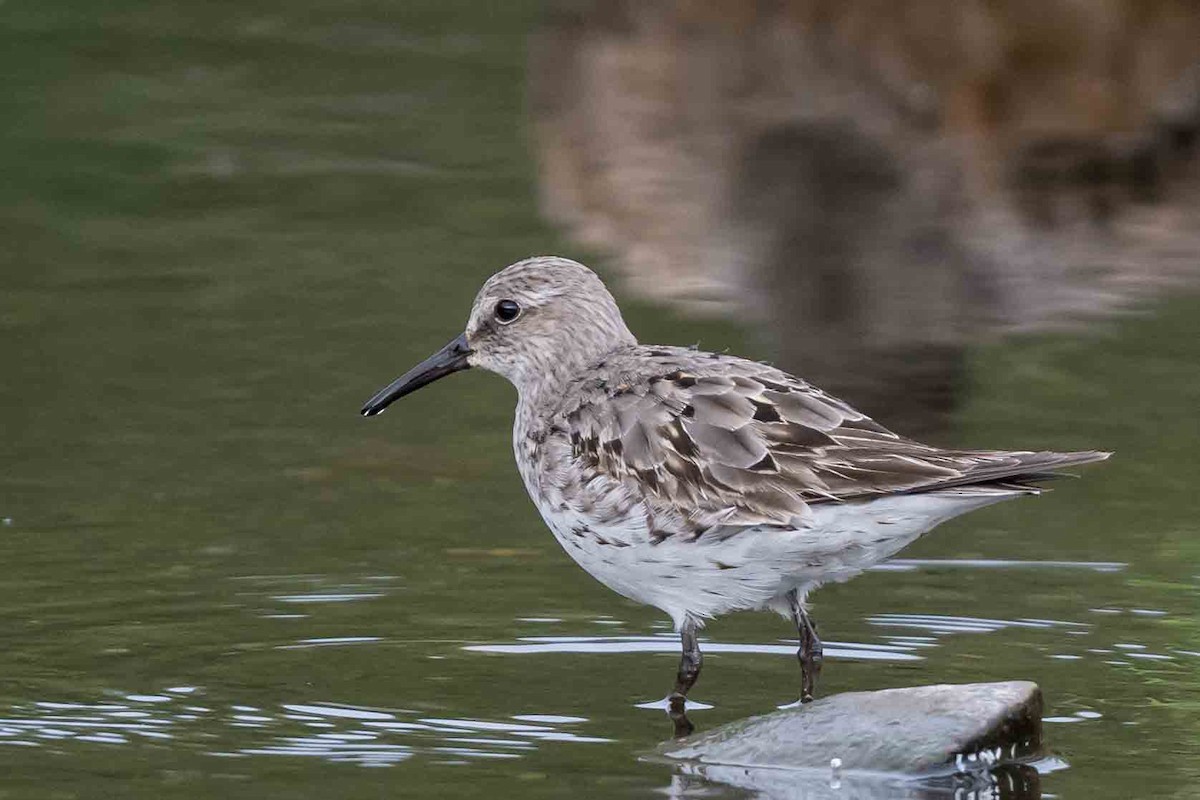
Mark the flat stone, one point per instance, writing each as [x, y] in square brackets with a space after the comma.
[922, 731]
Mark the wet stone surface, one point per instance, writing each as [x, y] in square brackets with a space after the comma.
[923, 730]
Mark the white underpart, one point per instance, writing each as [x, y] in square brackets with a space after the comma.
[756, 567]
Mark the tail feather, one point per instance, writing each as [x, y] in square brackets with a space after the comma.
[1022, 471]
[1041, 465]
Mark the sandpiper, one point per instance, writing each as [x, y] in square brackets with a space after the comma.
[703, 483]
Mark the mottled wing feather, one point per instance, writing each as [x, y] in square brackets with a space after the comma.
[721, 441]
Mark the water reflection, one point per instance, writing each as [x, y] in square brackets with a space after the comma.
[938, 623]
[1008, 782]
[868, 204]
[911, 564]
[668, 643]
[315, 589]
[368, 737]
[329, 641]
[182, 716]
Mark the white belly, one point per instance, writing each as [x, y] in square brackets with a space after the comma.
[756, 567]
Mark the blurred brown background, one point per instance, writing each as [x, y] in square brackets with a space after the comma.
[879, 183]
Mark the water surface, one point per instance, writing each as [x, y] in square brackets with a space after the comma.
[227, 226]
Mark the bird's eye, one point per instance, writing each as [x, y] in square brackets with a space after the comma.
[507, 311]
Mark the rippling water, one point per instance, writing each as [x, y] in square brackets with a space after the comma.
[336, 733]
[225, 230]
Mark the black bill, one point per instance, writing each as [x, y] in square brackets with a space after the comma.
[451, 358]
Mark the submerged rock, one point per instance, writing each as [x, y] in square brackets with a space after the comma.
[873, 743]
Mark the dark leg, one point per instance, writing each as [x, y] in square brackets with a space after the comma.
[689, 670]
[811, 653]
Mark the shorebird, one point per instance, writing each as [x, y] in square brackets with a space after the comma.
[703, 483]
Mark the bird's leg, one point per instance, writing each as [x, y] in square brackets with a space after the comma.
[690, 662]
[811, 653]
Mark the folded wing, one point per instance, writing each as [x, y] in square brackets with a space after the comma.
[717, 440]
